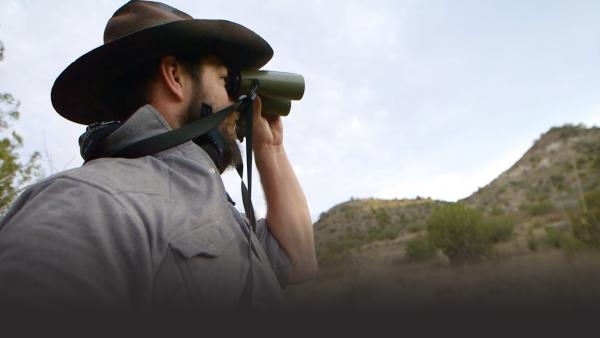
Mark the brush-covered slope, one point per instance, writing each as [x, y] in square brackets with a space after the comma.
[545, 185]
[550, 179]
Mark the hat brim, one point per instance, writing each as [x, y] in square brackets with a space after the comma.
[78, 91]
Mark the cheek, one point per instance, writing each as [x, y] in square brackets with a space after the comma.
[218, 97]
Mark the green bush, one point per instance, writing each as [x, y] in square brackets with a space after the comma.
[586, 223]
[572, 245]
[382, 217]
[355, 238]
[419, 249]
[537, 209]
[459, 232]
[413, 228]
[380, 232]
[499, 228]
[554, 237]
[532, 243]
[497, 211]
[565, 240]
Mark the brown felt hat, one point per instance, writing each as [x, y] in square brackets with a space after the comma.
[141, 31]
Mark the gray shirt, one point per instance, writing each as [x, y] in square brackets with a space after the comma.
[155, 232]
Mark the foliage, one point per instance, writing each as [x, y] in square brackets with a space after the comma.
[554, 237]
[382, 217]
[497, 211]
[499, 228]
[419, 249]
[382, 232]
[459, 232]
[14, 173]
[355, 238]
[561, 239]
[463, 233]
[568, 130]
[586, 223]
[537, 208]
[532, 243]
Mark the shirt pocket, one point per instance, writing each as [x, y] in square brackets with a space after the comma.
[210, 265]
[209, 241]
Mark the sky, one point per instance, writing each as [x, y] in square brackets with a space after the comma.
[404, 98]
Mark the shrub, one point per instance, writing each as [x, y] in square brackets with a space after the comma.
[419, 249]
[532, 243]
[586, 223]
[537, 209]
[565, 240]
[413, 228]
[459, 232]
[497, 211]
[383, 232]
[558, 181]
[381, 216]
[499, 228]
[572, 245]
[554, 237]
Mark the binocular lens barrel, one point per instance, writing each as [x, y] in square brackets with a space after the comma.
[276, 90]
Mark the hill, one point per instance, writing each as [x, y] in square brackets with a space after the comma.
[551, 177]
[360, 240]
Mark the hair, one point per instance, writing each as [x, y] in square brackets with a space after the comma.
[131, 89]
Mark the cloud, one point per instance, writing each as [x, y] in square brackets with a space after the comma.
[403, 98]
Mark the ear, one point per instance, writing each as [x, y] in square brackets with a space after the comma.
[173, 77]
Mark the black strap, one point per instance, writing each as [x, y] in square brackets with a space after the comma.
[248, 111]
[175, 137]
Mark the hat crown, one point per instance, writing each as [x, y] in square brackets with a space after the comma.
[137, 15]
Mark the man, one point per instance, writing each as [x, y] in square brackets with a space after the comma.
[157, 231]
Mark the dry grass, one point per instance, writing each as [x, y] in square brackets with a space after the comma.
[540, 279]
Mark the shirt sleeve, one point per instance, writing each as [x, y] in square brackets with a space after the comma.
[71, 245]
[278, 258]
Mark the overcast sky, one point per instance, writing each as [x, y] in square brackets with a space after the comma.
[403, 98]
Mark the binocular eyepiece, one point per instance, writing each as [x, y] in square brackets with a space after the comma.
[276, 89]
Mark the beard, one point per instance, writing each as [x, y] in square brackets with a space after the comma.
[231, 153]
[230, 156]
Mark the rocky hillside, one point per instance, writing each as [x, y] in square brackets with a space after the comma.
[551, 177]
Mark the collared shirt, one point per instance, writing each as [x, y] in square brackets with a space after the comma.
[155, 232]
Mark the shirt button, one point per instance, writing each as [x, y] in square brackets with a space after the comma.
[212, 171]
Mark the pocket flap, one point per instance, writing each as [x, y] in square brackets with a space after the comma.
[210, 241]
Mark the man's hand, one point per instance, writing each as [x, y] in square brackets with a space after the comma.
[268, 130]
[288, 216]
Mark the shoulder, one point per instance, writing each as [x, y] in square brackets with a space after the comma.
[114, 192]
[145, 175]
[136, 186]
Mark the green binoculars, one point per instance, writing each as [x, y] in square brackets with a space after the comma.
[276, 89]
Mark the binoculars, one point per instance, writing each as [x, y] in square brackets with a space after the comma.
[276, 89]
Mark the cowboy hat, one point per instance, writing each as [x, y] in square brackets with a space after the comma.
[140, 31]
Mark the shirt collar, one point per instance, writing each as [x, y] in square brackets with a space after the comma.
[144, 123]
[147, 122]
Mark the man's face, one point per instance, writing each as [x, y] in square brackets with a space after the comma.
[210, 89]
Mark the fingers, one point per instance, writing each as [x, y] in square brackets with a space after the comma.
[257, 108]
